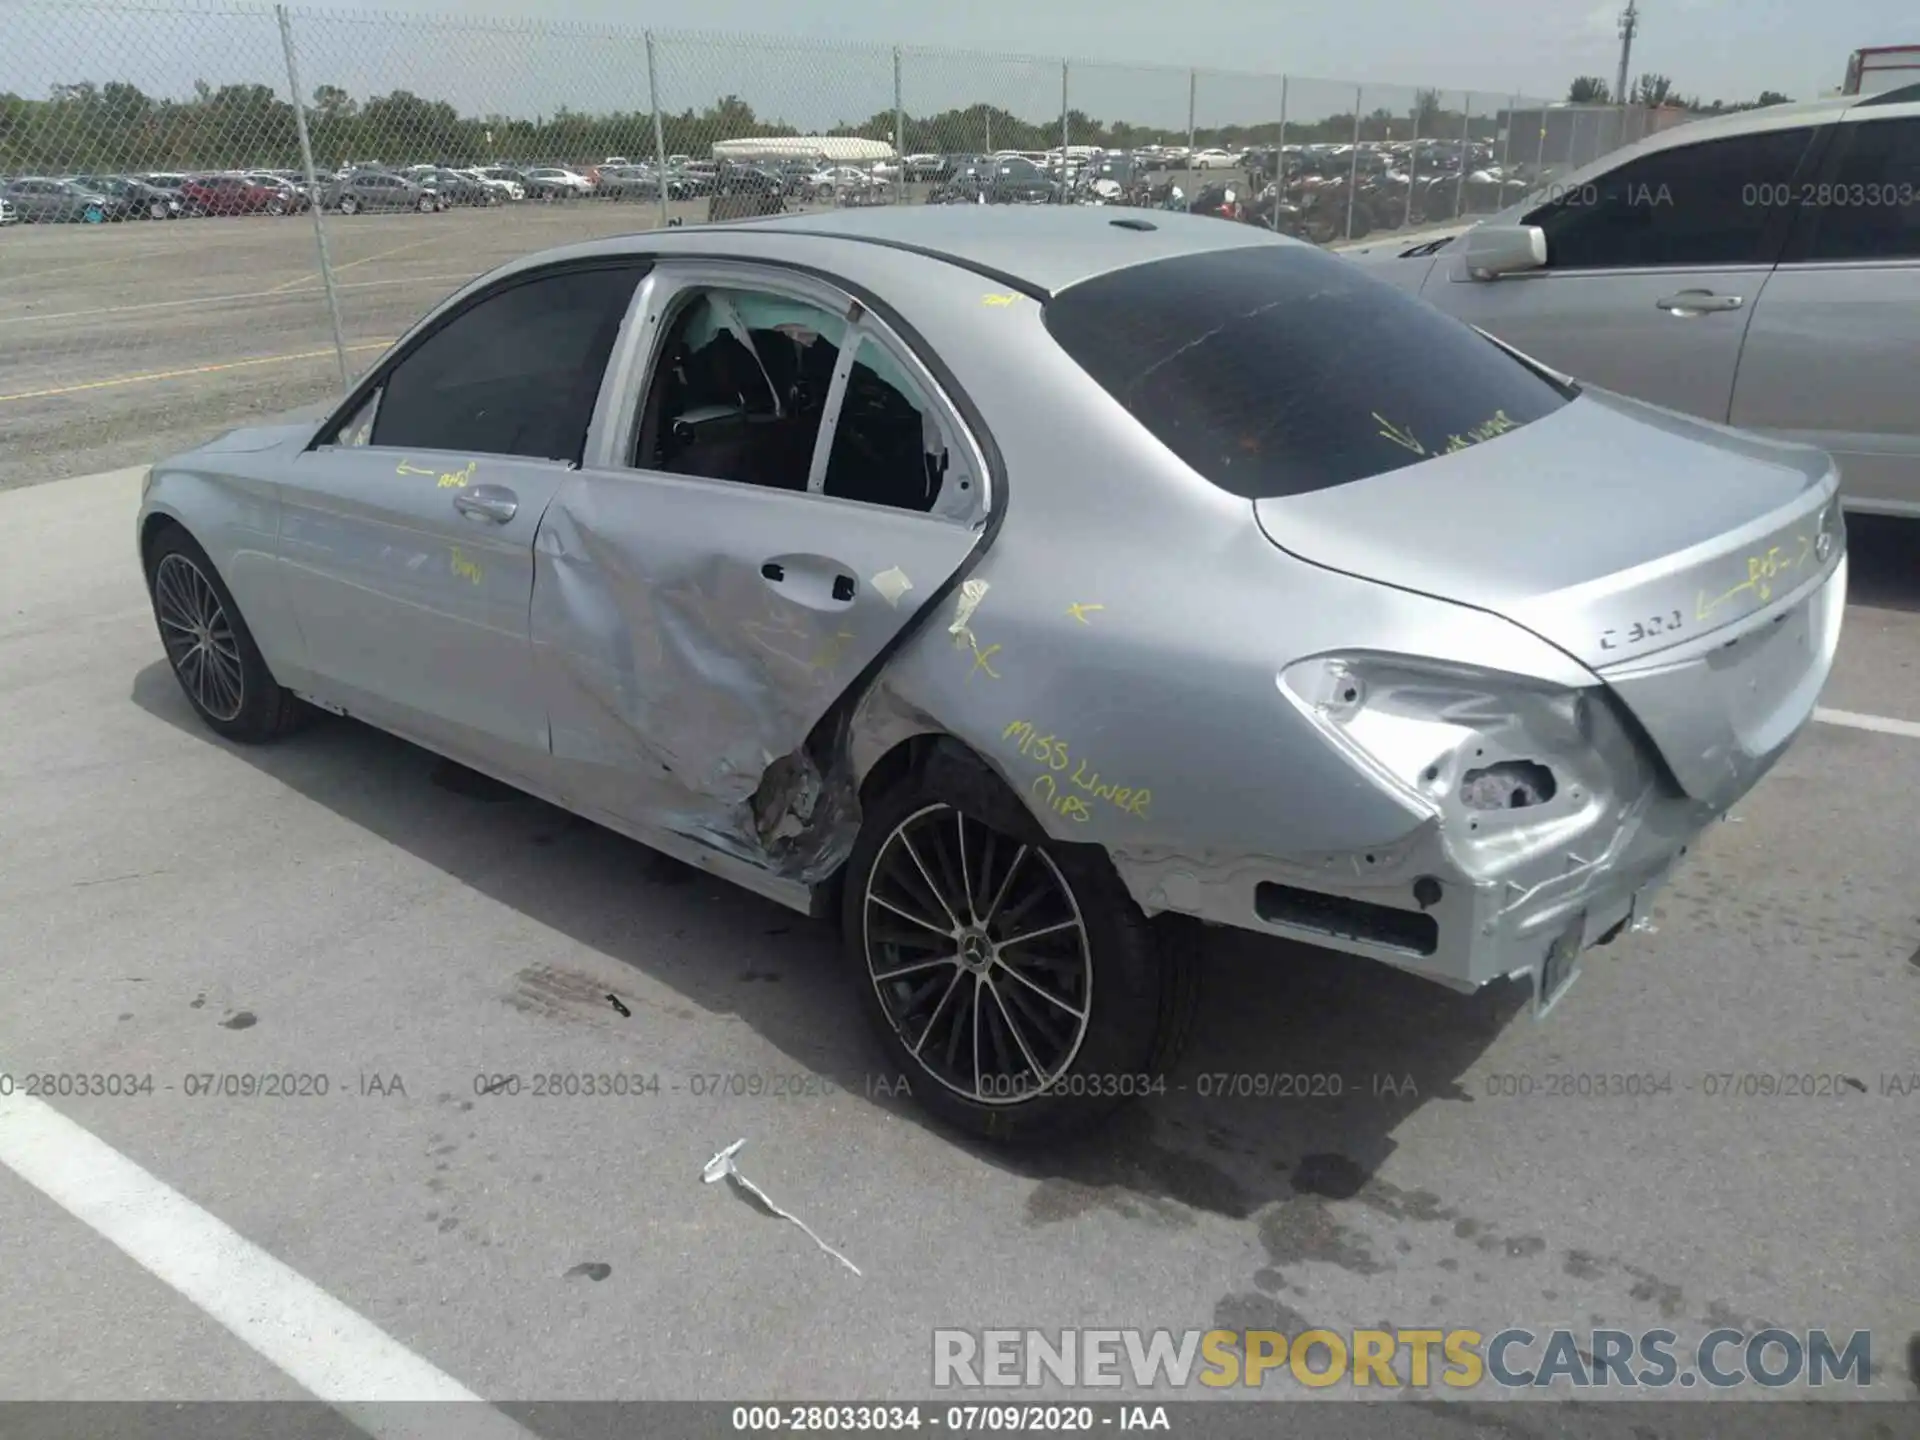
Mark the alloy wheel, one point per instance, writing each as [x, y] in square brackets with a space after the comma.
[199, 637]
[979, 954]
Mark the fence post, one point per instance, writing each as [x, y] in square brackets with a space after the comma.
[1353, 169]
[659, 131]
[1540, 155]
[313, 192]
[1193, 92]
[1066, 138]
[1280, 159]
[1466, 139]
[1506, 137]
[1413, 160]
[899, 129]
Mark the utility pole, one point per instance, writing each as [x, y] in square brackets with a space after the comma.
[1629, 27]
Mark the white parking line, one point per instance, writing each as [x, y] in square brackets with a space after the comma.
[1882, 724]
[313, 277]
[333, 1352]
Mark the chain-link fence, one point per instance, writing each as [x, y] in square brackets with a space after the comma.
[227, 207]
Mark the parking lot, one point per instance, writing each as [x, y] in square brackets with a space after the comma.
[119, 343]
[122, 342]
[343, 906]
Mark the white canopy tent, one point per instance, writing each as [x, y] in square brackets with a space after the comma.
[829, 149]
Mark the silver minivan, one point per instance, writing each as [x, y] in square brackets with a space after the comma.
[1759, 269]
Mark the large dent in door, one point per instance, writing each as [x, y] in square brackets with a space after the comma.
[674, 691]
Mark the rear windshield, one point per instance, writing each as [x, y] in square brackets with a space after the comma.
[1279, 369]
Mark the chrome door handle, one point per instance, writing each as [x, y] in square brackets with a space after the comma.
[487, 502]
[1699, 302]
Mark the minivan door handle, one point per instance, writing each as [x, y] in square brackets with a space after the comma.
[1698, 302]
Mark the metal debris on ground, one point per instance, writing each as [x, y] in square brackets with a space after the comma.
[721, 1167]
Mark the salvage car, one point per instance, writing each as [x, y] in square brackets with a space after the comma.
[45, 200]
[360, 190]
[135, 197]
[1759, 270]
[1026, 588]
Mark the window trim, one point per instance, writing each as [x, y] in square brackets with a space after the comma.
[675, 278]
[327, 435]
[1775, 235]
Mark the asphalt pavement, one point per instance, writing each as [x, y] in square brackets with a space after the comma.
[416, 957]
[345, 913]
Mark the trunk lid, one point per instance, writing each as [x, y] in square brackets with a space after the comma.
[1683, 562]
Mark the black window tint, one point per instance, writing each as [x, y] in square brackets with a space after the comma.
[1714, 203]
[1279, 369]
[1869, 208]
[515, 375]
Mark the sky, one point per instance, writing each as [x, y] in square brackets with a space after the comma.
[826, 63]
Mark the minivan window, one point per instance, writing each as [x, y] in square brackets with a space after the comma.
[1869, 206]
[1277, 369]
[1717, 202]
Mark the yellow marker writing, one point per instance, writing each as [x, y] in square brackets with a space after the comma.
[464, 567]
[1081, 610]
[1403, 438]
[405, 468]
[998, 299]
[1762, 570]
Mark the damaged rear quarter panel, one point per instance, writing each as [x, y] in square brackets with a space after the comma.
[1119, 668]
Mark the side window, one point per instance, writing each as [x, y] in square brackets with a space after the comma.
[889, 447]
[517, 374]
[1869, 209]
[1710, 204]
[739, 388]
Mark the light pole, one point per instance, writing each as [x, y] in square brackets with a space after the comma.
[1629, 27]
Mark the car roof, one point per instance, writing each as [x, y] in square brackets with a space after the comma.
[1826, 110]
[1041, 248]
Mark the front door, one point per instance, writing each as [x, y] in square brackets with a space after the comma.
[406, 534]
[801, 495]
[1654, 270]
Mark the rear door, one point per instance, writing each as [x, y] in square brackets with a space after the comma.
[406, 537]
[1653, 270]
[766, 513]
[1829, 353]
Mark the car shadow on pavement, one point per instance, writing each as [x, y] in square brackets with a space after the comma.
[1882, 569]
[1301, 1066]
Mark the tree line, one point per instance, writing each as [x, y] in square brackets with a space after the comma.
[115, 126]
[1657, 90]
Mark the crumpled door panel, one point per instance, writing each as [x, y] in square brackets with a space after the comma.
[690, 635]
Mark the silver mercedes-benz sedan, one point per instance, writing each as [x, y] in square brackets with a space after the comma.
[1023, 586]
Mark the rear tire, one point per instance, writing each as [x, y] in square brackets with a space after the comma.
[210, 649]
[426, 205]
[349, 205]
[1029, 949]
